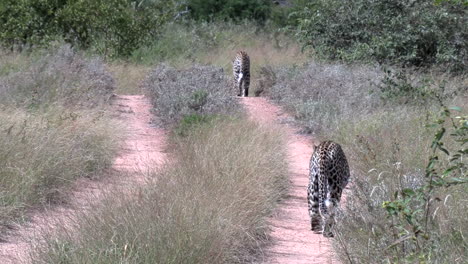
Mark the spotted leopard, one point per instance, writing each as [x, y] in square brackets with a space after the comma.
[329, 175]
[241, 69]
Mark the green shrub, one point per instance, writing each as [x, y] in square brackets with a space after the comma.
[191, 122]
[112, 27]
[416, 33]
[209, 10]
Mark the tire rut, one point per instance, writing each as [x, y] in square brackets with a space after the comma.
[292, 241]
[144, 145]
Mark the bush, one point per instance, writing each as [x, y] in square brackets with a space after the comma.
[192, 122]
[56, 76]
[418, 33]
[237, 10]
[320, 95]
[112, 27]
[198, 90]
[210, 206]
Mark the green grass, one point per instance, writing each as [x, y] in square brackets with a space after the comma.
[208, 206]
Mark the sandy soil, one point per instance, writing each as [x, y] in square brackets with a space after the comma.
[292, 240]
[144, 145]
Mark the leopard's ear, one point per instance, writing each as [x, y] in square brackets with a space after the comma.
[316, 143]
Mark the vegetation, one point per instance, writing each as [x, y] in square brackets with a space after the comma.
[51, 130]
[419, 33]
[404, 200]
[54, 76]
[258, 10]
[207, 207]
[202, 90]
[111, 27]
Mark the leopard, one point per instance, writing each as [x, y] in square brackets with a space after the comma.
[328, 177]
[241, 69]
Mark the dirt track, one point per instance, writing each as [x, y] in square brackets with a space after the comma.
[143, 146]
[292, 240]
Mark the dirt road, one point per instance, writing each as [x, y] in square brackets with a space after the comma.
[143, 146]
[292, 240]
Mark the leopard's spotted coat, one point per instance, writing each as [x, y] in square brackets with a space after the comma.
[329, 175]
[241, 69]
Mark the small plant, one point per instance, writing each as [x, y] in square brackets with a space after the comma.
[198, 100]
[412, 208]
[190, 122]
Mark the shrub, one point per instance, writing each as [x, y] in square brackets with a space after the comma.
[419, 33]
[210, 10]
[113, 27]
[197, 90]
[320, 95]
[192, 122]
[56, 76]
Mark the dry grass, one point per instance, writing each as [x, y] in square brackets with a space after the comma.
[208, 207]
[387, 157]
[41, 154]
[128, 76]
[53, 127]
[55, 75]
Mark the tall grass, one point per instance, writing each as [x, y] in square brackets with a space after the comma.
[53, 126]
[381, 121]
[128, 76]
[389, 157]
[209, 206]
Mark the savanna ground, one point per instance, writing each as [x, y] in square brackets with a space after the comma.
[394, 99]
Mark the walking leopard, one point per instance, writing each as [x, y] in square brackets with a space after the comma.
[329, 175]
[241, 69]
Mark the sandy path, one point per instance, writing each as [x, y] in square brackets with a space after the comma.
[143, 145]
[292, 240]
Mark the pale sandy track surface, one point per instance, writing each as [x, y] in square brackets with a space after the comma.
[144, 145]
[291, 239]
